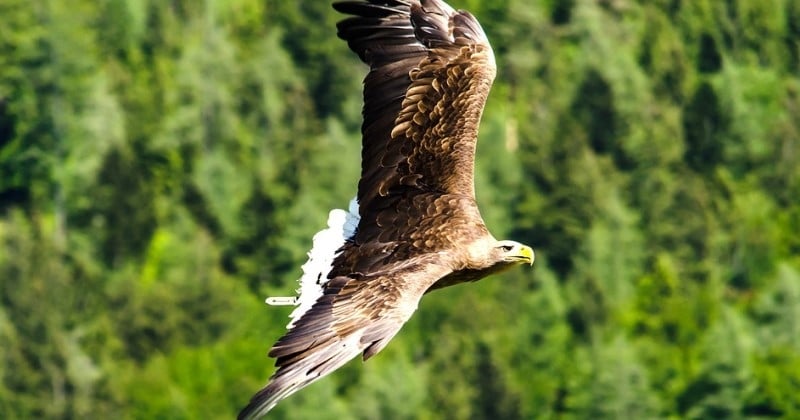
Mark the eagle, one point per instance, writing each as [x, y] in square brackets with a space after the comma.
[414, 225]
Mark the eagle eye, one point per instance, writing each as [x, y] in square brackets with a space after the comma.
[506, 248]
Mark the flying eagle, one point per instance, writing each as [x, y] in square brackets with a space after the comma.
[414, 225]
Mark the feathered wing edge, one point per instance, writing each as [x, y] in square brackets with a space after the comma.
[286, 382]
[431, 68]
[353, 316]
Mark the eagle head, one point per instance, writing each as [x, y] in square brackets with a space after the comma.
[487, 256]
[512, 253]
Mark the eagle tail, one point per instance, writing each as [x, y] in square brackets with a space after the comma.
[327, 245]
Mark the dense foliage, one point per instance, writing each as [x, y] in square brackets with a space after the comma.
[164, 164]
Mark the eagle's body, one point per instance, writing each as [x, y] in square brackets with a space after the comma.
[415, 225]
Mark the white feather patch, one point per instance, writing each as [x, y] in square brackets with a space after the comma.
[327, 242]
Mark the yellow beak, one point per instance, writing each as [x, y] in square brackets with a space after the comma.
[526, 254]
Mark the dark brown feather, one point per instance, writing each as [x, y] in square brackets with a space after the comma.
[345, 321]
[430, 73]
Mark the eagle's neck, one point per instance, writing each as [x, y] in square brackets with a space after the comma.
[467, 275]
[479, 263]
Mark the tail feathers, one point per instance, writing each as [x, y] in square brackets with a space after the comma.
[342, 226]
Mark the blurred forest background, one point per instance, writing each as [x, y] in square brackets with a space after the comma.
[164, 165]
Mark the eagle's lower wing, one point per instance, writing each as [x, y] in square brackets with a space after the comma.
[356, 314]
[431, 68]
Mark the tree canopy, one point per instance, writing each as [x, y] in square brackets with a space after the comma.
[164, 165]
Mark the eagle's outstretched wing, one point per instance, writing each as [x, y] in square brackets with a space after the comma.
[431, 69]
[355, 315]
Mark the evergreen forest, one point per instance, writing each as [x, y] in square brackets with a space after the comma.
[165, 164]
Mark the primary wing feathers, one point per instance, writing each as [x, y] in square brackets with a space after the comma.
[356, 315]
[431, 68]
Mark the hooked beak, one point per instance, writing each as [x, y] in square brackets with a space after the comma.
[525, 255]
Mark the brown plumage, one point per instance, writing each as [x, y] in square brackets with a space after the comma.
[431, 68]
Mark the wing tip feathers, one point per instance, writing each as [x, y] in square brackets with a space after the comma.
[317, 362]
